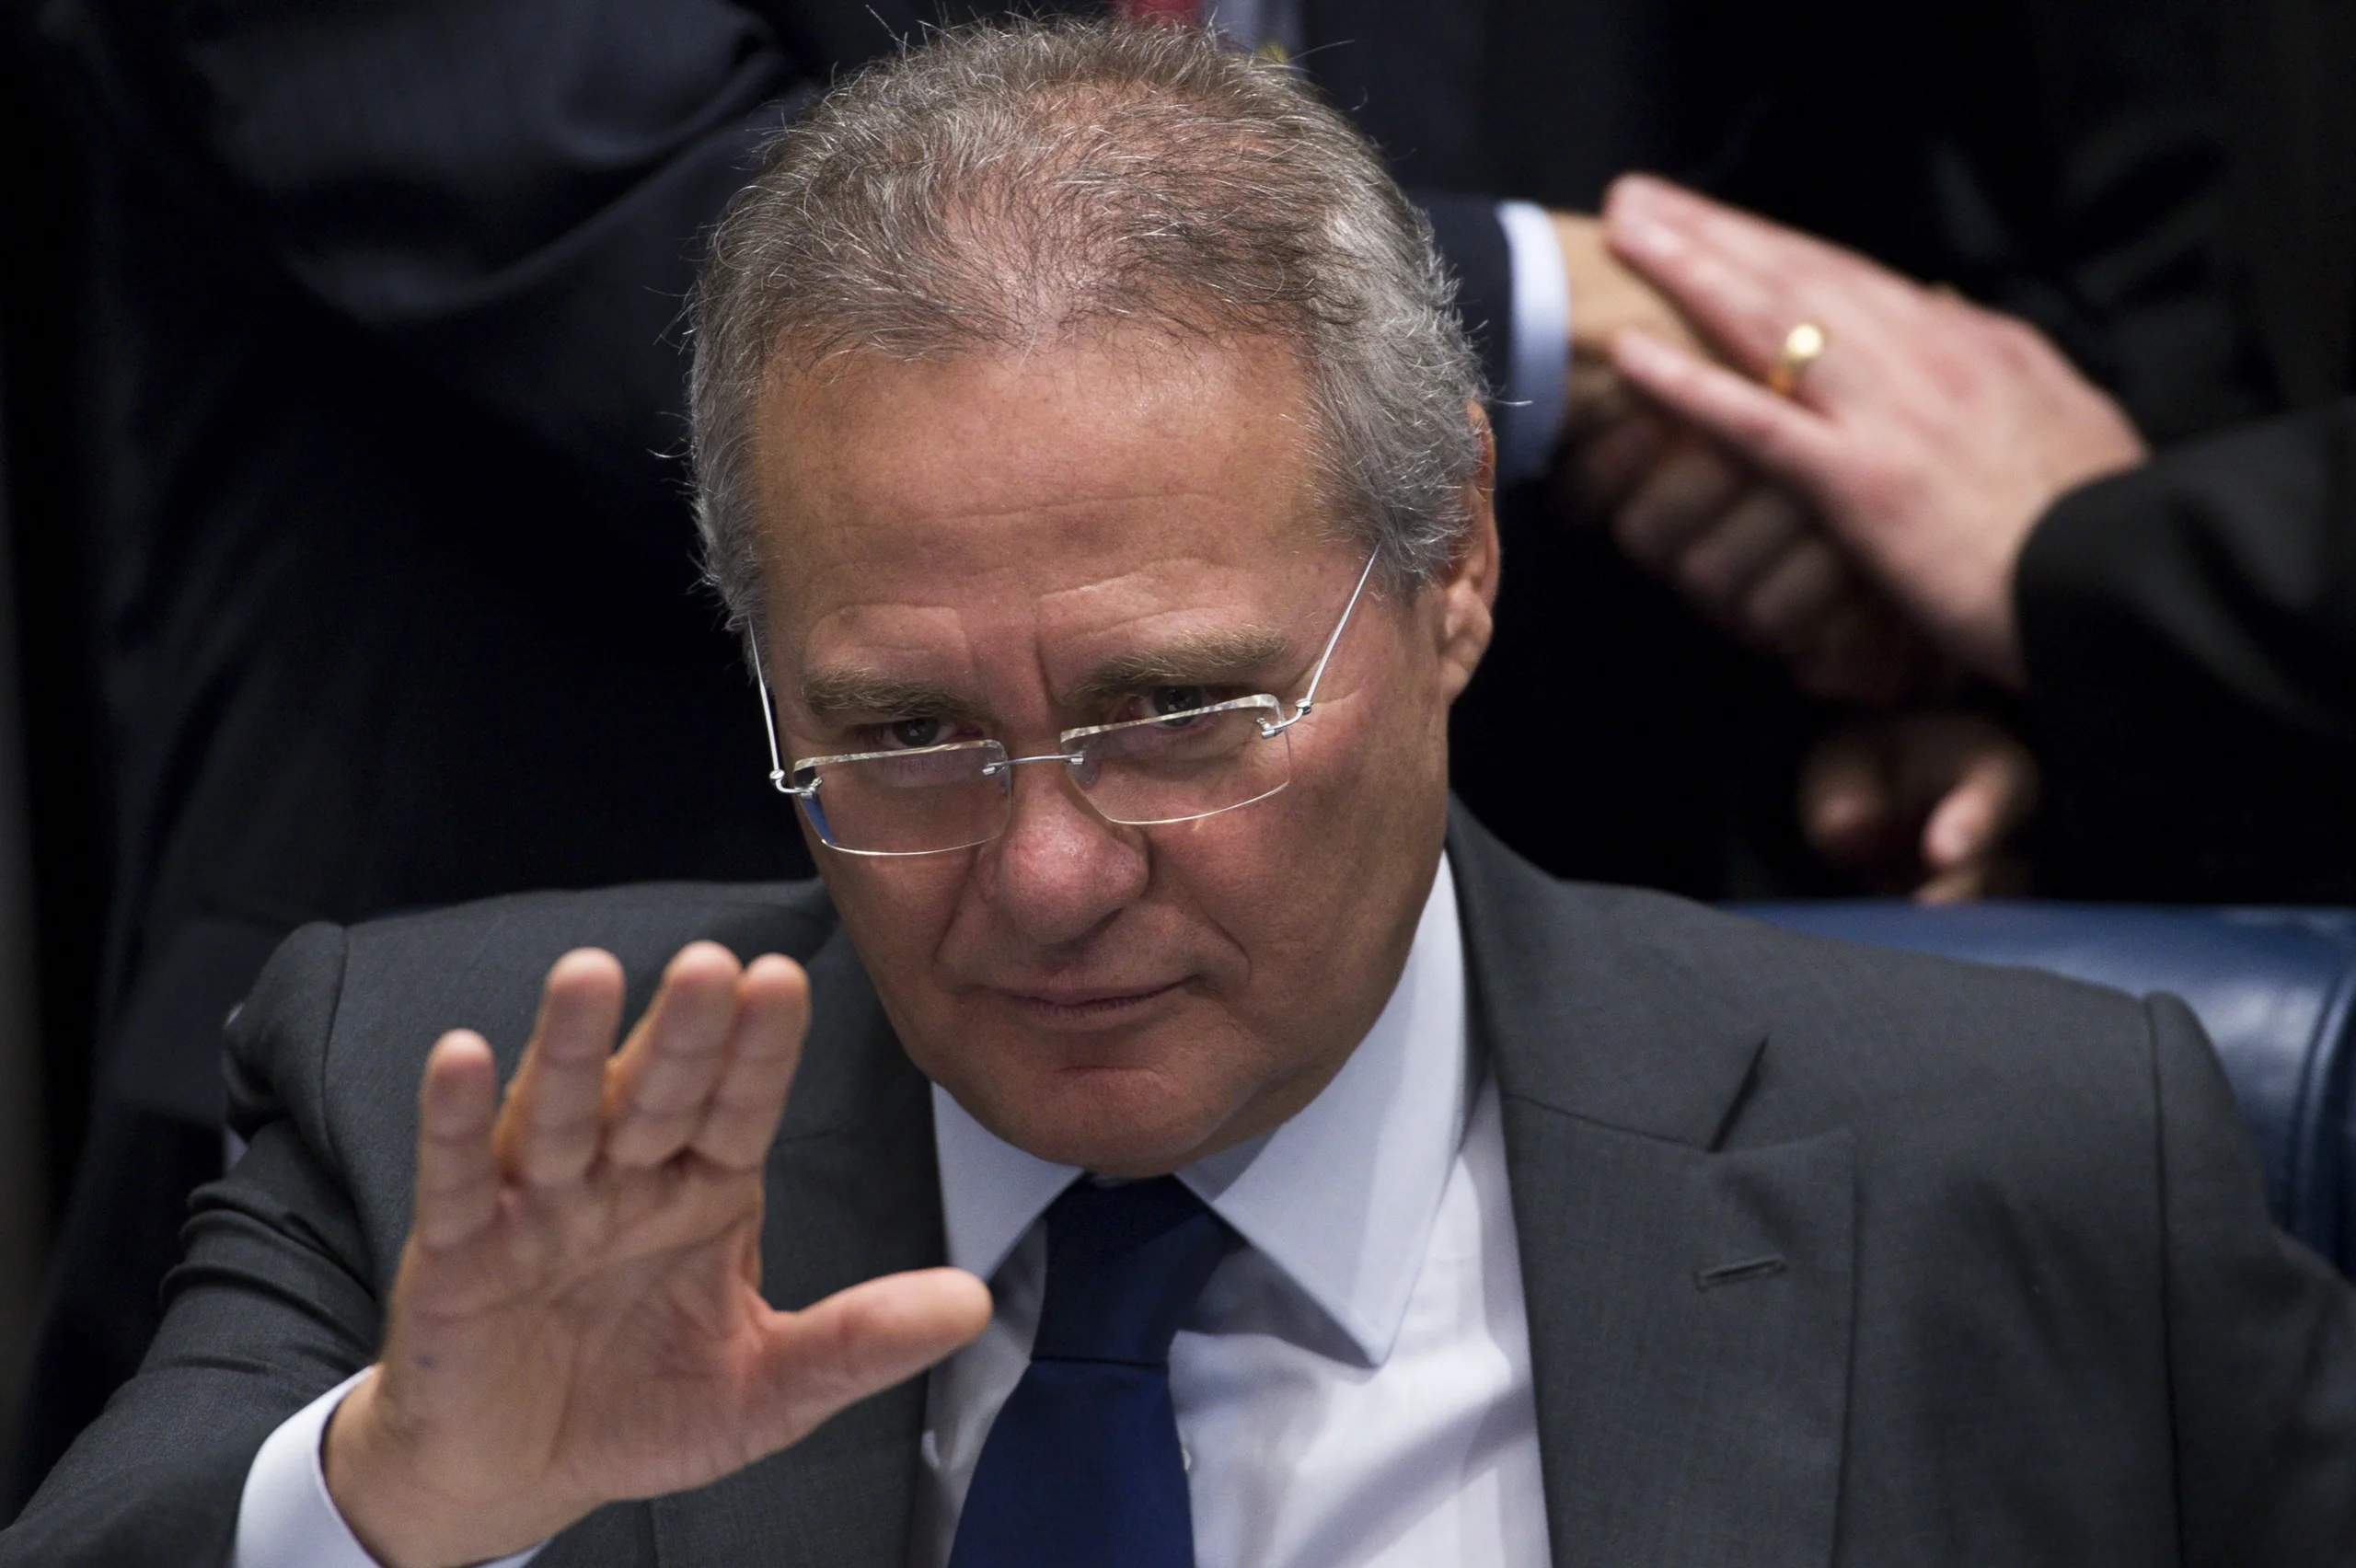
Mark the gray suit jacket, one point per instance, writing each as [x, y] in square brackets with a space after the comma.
[1831, 1256]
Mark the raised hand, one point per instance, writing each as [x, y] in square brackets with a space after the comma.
[1931, 434]
[578, 1317]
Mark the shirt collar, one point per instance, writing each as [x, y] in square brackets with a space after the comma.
[1341, 1198]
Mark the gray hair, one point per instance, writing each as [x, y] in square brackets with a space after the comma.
[1013, 186]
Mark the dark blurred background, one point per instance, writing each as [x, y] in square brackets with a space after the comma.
[53, 871]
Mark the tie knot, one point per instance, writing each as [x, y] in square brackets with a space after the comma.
[1124, 1264]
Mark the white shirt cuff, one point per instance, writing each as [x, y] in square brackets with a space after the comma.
[286, 1519]
[1539, 369]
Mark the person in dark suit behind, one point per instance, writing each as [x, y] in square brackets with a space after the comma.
[399, 599]
[397, 591]
[1086, 445]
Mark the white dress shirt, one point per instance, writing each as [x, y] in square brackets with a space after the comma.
[1537, 392]
[285, 1520]
[1353, 1389]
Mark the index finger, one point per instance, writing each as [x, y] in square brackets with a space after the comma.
[1746, 281]
[458, 1179]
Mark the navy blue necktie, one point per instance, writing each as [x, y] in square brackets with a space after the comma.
[1082, 1467]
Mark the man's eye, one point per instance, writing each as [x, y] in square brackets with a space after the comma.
[914, 733]
[1165, 702]
[1162, 701]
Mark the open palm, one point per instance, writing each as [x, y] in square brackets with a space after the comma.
[578, 1316]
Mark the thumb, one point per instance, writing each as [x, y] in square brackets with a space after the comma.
[856, 1342]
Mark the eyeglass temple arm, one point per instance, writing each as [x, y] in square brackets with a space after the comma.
[1308, 699]
[768, 721]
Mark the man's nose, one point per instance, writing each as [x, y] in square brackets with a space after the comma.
[1060, 869]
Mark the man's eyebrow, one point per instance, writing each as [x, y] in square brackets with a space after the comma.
[832, 694]
[1224, 656]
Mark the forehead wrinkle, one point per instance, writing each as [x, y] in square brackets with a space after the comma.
[1214, 656]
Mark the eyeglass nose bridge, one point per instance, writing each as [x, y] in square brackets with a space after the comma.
[1074, 760]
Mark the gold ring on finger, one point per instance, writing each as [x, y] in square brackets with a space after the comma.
[1803, 346]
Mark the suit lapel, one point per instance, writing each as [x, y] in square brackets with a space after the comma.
[854, 1192]
[1689, 1301]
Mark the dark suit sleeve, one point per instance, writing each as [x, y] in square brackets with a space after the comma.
[2262, 1337]
[270, 1308]
[2078, 171]
[2190, 633]
[513, 194]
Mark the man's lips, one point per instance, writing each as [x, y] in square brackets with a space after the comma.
[1083, 1004]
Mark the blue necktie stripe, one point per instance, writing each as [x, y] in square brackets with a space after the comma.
[1082, 1467]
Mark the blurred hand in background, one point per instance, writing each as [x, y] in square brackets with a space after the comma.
[1744, 549]
[1749, 555]
[1929, 437]
[1929, 804]
[1860, 524]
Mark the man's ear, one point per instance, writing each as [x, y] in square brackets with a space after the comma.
[1469, 590]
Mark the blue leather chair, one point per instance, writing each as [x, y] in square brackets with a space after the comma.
[2275, 987]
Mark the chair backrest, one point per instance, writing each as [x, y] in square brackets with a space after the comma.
[2276, 988]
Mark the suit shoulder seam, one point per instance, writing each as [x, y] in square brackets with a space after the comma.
[326, 1052]
[2152, 1051]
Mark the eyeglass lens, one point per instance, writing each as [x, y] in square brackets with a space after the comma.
[1154, 771]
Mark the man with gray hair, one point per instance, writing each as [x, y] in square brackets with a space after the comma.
[1092, 459]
